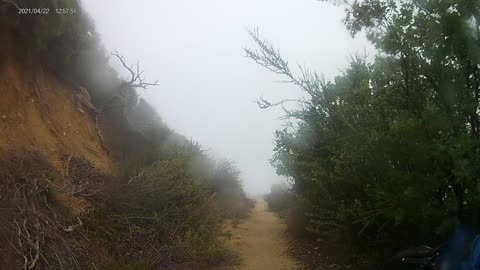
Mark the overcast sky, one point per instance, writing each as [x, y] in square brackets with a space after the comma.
[207, 88]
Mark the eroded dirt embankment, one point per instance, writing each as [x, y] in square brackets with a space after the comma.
[46, 121]
[40, 114]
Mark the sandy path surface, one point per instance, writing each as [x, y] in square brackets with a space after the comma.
[259, 240]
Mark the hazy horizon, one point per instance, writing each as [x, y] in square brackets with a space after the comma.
[207, 88]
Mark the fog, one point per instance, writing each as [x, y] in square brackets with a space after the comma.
[207, 88]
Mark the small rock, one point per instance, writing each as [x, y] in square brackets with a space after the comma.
[4, 116]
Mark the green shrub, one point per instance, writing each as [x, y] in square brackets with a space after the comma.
[166, 214]
[201, 245]
[279, 199]
[385, 155]
[226, 184]
[100, 227]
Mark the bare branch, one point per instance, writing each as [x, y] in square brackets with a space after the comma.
[136, 80]
[124, 64]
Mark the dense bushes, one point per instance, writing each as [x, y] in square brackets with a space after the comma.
[279, 198]
[290, 207]
[384, 156]
[227, 188]
[171, 211]
[166, 215]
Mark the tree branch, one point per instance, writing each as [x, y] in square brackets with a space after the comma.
[136, 80]
[269, 57]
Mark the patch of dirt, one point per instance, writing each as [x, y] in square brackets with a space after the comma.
[259, 240]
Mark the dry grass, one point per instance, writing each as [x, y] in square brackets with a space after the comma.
[38, 207]
[32, 226]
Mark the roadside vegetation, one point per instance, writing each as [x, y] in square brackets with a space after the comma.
[165, 203]
[385, 156]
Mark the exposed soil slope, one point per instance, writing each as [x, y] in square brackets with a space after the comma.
[39, 114]
[46, 121]
[260, 242]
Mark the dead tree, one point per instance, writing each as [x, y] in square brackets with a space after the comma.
[126, 90]
[126, 94]
[136, 80]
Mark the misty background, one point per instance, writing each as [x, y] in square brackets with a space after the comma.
[207, 88]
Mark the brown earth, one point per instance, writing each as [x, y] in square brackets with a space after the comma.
[259, 241]
[40, 114]
[43, 120]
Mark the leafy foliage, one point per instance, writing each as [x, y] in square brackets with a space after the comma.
[227, 187]
[169, 207]
[163, 206]
[385, 155]
[279, 198]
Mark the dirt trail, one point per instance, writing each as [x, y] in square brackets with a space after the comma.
[260, 242]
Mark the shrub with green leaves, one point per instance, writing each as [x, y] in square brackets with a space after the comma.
[385, 155]
[166, 214]
[225, 183]
[279, 198]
